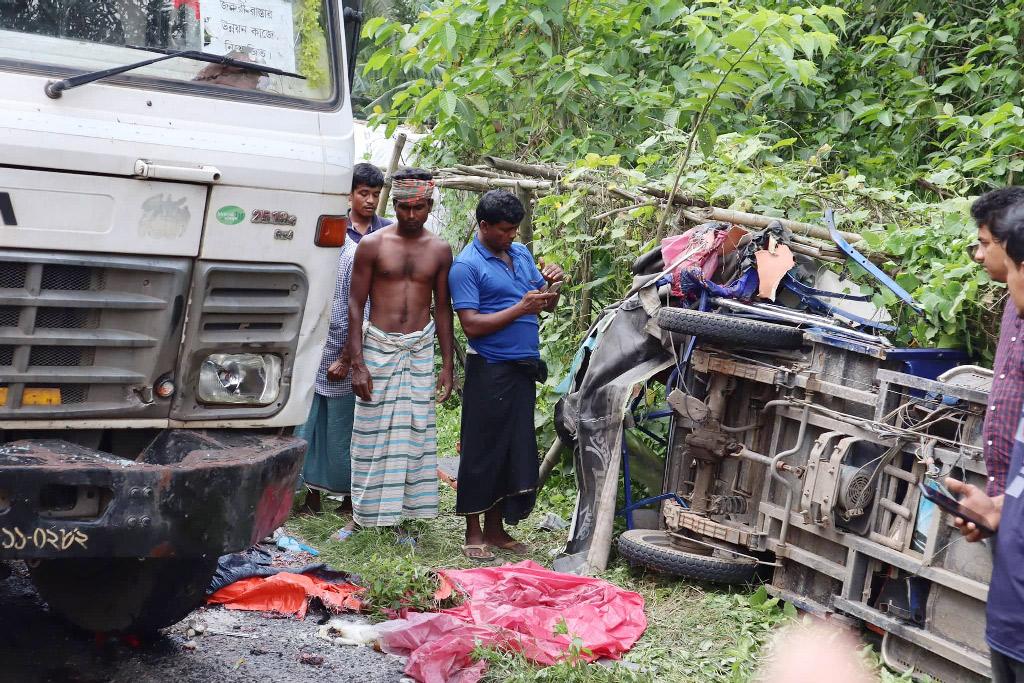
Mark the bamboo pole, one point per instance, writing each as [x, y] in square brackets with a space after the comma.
[554, 454]
[538, 171]
[396, 156]
[526, 226]
[758, 221]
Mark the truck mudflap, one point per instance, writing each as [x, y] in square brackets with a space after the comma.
[188, 494]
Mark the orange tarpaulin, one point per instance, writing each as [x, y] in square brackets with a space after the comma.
[287, 594]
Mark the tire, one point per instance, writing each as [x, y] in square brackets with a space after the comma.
[648, 263]
[654, 549]
[123, 595]
[729, 330]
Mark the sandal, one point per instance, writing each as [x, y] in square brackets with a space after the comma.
[484, 556]
[517, 548]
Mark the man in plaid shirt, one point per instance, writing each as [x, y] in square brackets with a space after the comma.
[328, 466]
[1007, 395]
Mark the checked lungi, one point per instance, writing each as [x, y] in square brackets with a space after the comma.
[394, 438]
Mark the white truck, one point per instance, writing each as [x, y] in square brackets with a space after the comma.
[173, 183]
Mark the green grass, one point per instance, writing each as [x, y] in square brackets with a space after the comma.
[696, 632]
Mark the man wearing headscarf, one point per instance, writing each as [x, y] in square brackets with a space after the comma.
[402, 269]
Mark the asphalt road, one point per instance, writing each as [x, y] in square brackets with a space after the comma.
[37, 646]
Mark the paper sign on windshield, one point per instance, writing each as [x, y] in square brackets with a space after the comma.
[261, 29]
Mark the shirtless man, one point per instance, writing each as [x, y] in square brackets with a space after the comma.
[403, 269]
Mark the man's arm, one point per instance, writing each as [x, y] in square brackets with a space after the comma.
[359, 291]
[444, 322]
[476, 324]
[552, 273]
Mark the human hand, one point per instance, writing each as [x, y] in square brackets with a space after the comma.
[535, 301]
[974, 499]
[338, 370]
[445, 384]
[362, 383]
[552, 272]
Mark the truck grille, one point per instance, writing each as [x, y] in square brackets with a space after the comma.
[84, 336]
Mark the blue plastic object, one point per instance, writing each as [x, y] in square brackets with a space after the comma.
[928, 363]
[293, 544]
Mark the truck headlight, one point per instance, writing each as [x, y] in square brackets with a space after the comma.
[252, 379]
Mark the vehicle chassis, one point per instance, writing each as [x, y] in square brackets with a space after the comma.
[810, 461]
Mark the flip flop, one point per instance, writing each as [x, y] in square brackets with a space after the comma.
[517, 548]
[342, 535]
[482, 547]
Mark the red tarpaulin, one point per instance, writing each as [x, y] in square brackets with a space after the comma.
[286, 593]
[517, 606]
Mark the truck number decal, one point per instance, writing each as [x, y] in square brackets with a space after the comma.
[39, 538]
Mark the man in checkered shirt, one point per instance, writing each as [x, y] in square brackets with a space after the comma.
[1007, 394]
[328, 467]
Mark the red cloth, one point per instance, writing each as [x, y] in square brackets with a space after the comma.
[516, 606]
[286, 593]
[697, 246]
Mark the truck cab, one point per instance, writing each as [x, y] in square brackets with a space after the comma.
[173, 188]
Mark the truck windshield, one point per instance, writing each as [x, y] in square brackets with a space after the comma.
[87, 35]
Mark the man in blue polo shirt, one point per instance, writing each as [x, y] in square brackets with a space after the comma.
[498, 292]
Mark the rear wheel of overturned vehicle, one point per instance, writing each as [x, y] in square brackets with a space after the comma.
[658, 550]
[729, 330]
[123, 595]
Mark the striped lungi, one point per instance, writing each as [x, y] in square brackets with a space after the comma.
[394, 438]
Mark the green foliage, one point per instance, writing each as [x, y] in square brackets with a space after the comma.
[396, 582]
[311, 43]
[892, 113]
[563, 79]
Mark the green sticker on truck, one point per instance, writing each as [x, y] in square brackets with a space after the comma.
[230, 215]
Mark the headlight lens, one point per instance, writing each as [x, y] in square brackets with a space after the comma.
[240, 379]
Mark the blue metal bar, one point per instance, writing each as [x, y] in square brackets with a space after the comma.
[654, 499]
[651, 434]
[867, 265]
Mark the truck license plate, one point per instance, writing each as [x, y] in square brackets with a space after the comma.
[35, 396]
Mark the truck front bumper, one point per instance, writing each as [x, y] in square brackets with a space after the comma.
[188, 494]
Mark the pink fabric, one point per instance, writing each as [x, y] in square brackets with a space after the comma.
[516, 606]
[700, 247]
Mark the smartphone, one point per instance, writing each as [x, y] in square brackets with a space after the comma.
[953, 507]
[549, 288]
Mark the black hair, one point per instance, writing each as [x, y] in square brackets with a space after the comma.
[988, 206]
[412, 174]
[1008, 228]
[368, 175]
[500, 205]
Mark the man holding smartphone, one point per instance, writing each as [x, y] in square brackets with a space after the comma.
[498, 292]
[1004, 627]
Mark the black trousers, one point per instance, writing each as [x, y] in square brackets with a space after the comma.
[499, 463]
[1006, 669]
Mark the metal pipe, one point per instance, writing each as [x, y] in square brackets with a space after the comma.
[775, 403]
[777, 475]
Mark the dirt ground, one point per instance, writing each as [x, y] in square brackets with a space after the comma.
[37, 646]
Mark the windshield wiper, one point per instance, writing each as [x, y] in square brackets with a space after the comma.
[54, 89]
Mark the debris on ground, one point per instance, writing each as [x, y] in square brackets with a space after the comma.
[552, 522]
[290, 543]
[255, 561]
[311, 659]
[342, 632]
[288, 594]
[517, 606]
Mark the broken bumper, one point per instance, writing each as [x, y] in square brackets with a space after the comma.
[189, 493]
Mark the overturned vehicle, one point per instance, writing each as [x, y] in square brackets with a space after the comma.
[797, 441]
